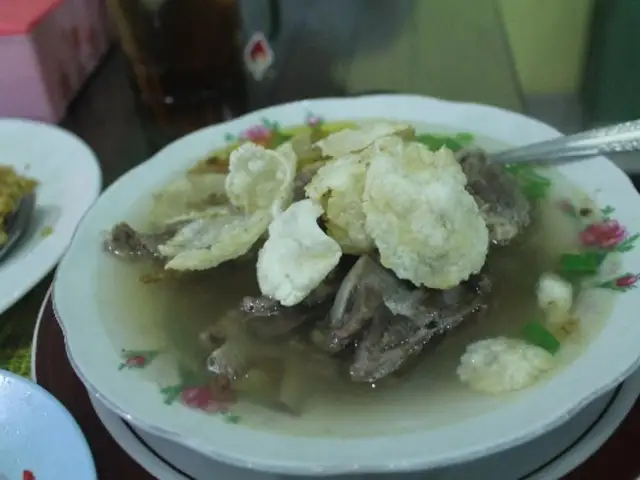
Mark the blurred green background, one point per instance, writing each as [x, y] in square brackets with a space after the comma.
[549, 40]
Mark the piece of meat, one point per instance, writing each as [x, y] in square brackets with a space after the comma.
[260, 306]
[502, 203]
[367, 286]
[125, 242]
[275, 321]
[356, 300]
[400, 330]
[266, 318]
[390, 320]
[232, 359]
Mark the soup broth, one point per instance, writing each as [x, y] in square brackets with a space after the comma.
[173, 313]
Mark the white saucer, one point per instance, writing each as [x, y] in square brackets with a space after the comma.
[546, 458]
[39, 435]
[70, 180]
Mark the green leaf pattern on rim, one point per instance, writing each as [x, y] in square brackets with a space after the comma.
[194, 390]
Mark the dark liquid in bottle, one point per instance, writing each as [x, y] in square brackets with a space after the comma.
[185, 63]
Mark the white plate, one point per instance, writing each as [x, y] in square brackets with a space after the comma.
[39, 435]
[70, 181]
[548, 457]
[490, 424]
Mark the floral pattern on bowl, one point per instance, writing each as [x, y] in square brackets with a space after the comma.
[602, 237]
[176, 409]
[191, 391]
[269, 133]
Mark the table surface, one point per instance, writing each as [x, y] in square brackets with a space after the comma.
[104, 116]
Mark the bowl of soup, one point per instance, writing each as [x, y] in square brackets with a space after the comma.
[351, 286]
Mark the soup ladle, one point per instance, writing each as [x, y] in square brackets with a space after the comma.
[612, 139]
[17, 223]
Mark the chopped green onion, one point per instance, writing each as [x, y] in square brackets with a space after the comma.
[435, 142]
[453, 143]
[586, 263]
[464, 138]
[537, 334]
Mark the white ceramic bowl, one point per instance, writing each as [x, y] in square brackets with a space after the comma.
[96, 353]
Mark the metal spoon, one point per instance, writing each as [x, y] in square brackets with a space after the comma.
[18, 223]
[618, 138]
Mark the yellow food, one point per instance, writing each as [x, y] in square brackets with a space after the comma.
[13, 187]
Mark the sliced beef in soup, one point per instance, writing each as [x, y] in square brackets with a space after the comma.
[399, 331]
[125, 242]
[390, 320]
[355, 302]
[502, 203]
[266, 318]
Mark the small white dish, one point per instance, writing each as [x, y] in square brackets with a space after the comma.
[450, 431]
[70, 181]
[38, 435]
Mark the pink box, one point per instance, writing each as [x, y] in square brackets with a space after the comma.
[48, 48]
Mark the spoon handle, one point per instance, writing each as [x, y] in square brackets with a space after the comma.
[621, 137]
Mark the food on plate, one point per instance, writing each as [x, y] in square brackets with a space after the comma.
[217, 236]
[261, 179]
[502, 203]
[555, 299]
[297, 256]
[340, 259]
[352, 140]
[424, 223]
[13, 187]
[339, 185]
[390, 321]
[258, 186]
[190, 193]
[498, 365]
